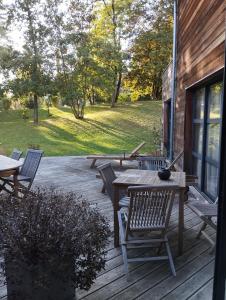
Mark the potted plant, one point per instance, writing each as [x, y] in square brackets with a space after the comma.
[53, 243]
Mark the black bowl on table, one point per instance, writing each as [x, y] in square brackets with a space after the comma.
[164, 173]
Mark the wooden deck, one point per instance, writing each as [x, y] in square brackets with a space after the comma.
[146, 281]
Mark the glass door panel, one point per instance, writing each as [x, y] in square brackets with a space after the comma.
[215, 96]
[199, 102]
[206, 137]
[197, 138]
[213, 141]
[211, 180]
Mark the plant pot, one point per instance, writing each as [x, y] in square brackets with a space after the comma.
[164, 174]
[23, 282]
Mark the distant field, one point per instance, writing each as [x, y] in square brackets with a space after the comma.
[104, 130]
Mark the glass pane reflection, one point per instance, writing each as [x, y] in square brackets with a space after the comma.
[213, 141]
[196, 168]
[211, 180]
[199, 104]
[215, 96]
[197, 138]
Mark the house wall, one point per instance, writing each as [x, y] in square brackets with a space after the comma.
[200, 53]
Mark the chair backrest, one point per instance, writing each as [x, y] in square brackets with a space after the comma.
[151, 163]
[135, 151]
[16, 154]
[172, 164]
[150, 207]
[31, 163]
[108, 176]
[191, 179]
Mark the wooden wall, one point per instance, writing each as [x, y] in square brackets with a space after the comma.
[200, 52]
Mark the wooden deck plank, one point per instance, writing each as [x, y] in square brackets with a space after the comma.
[186, 272]
[147, 280]
[194, 284]
[205, 293]
[111, 288]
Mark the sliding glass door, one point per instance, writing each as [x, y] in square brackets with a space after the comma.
[206, 137]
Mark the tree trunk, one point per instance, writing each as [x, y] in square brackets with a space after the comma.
[117, 90]
[35, 109]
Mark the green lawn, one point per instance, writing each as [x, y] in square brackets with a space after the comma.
[104, 130]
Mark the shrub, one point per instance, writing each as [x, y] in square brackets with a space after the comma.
[50, 227]
[6, 103]
[55, 101]
[25, 113]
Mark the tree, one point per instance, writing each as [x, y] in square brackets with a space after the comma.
[69, 48]
[113, 27]
[26, 14]
[151, 53]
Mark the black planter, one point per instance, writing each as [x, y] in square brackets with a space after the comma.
[23, 282]
[164, 174]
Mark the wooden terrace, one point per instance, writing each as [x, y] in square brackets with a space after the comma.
[151, 280]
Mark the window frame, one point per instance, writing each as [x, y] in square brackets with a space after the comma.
[204, 122]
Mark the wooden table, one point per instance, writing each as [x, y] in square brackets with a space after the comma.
[8, 167]
[134, 177]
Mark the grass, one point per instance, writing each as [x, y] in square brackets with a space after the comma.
[104, 130]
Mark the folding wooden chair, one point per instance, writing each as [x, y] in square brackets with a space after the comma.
[151, 162]
[16, 154]
[148, 214]
[26, 175]
[207, 212]
[108, 176]
[154, 163]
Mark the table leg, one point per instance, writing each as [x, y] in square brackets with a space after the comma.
[181, 222]
[116, 208]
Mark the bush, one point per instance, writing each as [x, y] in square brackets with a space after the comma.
[51, 227]
[28, 102]
[25, 113]
[124, 97]
[55, 101]
[6, 103]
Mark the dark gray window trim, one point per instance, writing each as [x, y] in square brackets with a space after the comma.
[205, 121]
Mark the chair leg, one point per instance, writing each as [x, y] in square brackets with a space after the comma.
[123, 243]
[93, 164]
[203, 227]
[159, 249]
[103, 189]
[124, 257]
[170, 258]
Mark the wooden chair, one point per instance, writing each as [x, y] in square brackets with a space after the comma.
[151, 163]
[154, 163]
[108, 176]
[191, 180]
[132, 156]
[207, 212]
[16, 154]
[26, 175]
[148, 214]
[171, 165]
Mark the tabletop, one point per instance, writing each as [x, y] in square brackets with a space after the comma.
[147, 177]
[7, 163]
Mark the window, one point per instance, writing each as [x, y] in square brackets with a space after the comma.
[206, 137]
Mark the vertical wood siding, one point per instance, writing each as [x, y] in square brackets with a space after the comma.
[200, 52]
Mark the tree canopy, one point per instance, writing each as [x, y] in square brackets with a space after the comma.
[85, 51]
